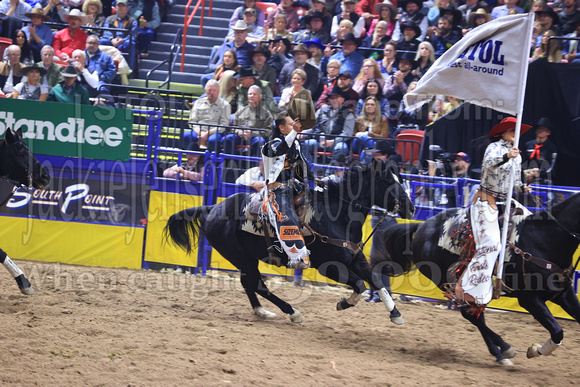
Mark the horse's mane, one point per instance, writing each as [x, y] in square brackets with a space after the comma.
[352, 176]
[562, 207]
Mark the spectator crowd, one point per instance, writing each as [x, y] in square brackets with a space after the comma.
[356, 59]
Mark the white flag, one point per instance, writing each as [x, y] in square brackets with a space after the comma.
[486, 67]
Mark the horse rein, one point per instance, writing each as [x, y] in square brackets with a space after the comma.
[545, 264]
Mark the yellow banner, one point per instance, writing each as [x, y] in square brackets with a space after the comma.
[70, 242]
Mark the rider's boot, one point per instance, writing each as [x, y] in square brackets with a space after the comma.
[275, 254]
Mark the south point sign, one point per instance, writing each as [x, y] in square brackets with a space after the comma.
[70, 130]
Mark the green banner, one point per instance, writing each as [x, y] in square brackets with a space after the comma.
[57, 129]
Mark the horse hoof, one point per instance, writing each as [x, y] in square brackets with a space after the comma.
[397, 320]
[533, 351]
[509, 353]
[505, 363]
[27, 291]
[296, 317]
[343, 304]
[261, 312]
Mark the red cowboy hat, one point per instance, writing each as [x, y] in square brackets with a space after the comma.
[505, 124]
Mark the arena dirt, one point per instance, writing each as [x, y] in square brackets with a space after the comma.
[105, 327]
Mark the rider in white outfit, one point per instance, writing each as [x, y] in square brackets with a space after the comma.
[475, 285]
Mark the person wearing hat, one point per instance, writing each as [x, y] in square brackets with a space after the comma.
[280, 54]
[469, 7]
[549, 20]
[409, 38]
[475, 284]
[414, 12]
[387, 12]
[70, 90]
[53, 70]
[337, 118]
[314, 29]
[248, 79]
[539, 153]
[317, 6]
[477, 18]
[569, 17]
[32, 88]
[239, 13]
[396, 85]
[503, 10]
[191, 169]
[301, 55]
[444, 36]
[126, 39]
[287, 9]
[350, 58]
[255, 31]
[240, 45]
[262, 70]
[38, 33]
[72, 38]
[283, 164]
[344, 81]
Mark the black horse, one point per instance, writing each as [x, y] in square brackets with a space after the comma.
[551, 235]
[337, 214]
[18, 167]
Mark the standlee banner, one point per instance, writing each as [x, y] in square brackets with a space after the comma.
[94, 201]
[70, 130]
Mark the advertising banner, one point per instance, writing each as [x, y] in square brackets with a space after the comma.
[81, 131]
[86, 200]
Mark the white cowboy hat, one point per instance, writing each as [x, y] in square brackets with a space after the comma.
[240, 26]
[76, 13]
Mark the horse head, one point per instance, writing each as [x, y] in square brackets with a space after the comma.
[389, 192]
[19, 164]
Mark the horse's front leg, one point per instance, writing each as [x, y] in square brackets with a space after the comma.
[21, 280]
[495, 344]
[540, 311]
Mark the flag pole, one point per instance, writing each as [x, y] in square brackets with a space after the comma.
[523, 81]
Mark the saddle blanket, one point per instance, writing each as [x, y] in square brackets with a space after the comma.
[252, 213]
[456, 222]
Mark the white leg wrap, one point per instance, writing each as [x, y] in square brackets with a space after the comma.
[548, 347]
[387, 300]
[12, 268]
[354, 298]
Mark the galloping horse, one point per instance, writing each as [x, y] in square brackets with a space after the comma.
[549, 238]
[18, 167]
[337, 214]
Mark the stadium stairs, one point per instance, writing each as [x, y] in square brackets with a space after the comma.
[198, 49]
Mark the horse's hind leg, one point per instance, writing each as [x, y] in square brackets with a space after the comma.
[252, 282]
[569, 302]
[540, 311]
[495, 344]
[362, 269]
[295, 315]
[21, 280]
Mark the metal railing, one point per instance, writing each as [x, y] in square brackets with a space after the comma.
[187, 21]
[175, 47]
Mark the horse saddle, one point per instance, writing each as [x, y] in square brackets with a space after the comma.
[457, 229]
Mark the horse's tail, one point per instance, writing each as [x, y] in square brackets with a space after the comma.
[397, 241]
[183, 227]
